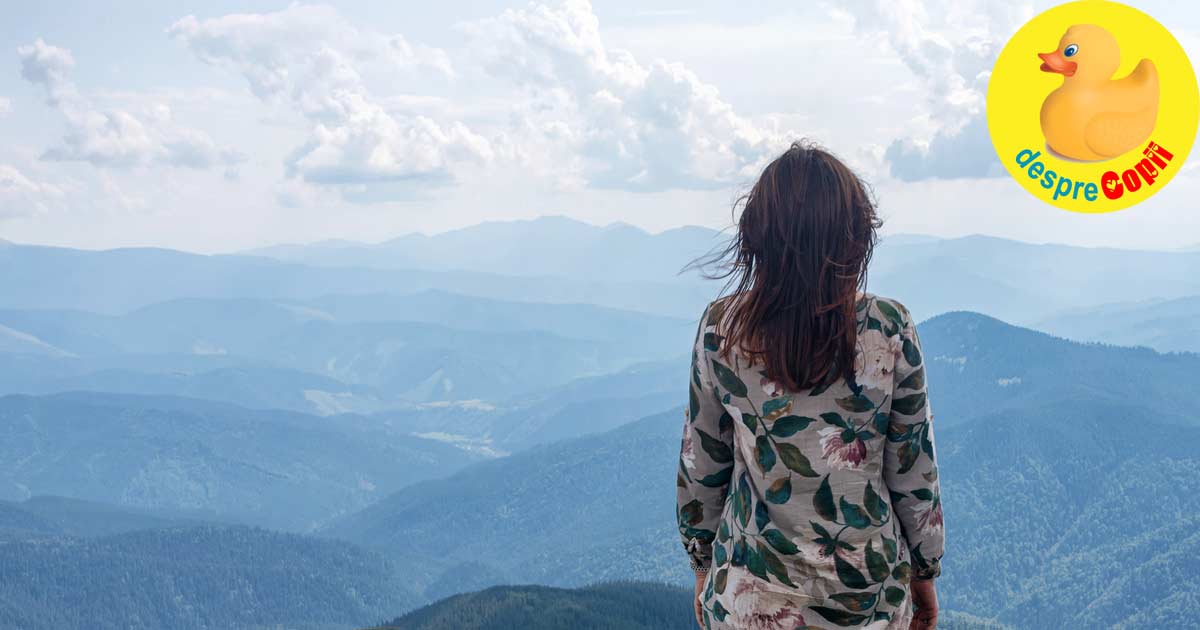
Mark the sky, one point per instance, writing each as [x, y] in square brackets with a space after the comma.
[221, 126]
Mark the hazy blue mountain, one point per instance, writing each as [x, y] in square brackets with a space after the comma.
[548, 245]
[120, 280]
[466, 312]
[19, 524]
[1025, 282]
[583, 406]
[236, 324]
[1016, 281]
[43, 516]
[544, 515]
[559, 260]
[428, 345]
[257, 387]
[978, 365]
[274, 468]
[211, 577]
[1165, 325]
[14, 341]
[1045, 498]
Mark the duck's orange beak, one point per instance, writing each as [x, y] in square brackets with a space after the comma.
[1056, 62]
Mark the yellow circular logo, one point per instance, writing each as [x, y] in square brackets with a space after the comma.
[1092, 106]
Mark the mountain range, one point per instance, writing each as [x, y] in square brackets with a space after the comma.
[559, 260]
[1167, 325]
[1015, 281]
[272, 468]
[335, 353]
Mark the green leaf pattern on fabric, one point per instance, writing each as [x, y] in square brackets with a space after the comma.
[814, 508]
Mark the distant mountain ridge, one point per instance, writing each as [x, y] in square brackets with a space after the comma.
[120, 280]
[42, 517]
[265, 467]
[559, 260]
[548, 245]
[978, 364]
[333, 353]
[1016, 281]
[1171, 325]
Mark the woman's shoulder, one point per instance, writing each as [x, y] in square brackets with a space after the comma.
[881, 310]
[715, 310]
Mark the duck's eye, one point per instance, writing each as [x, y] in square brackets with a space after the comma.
[1070, 51]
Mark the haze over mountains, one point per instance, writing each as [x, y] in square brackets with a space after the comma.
[557, 260]
[1015, 281]
[1165, 325]
[501, 404]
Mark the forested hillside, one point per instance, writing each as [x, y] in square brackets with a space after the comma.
[228, 578]
[979, 365]
[266, 467]
[609, 606]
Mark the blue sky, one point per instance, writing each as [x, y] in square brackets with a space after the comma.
[218, 126]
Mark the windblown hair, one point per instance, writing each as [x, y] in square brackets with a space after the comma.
[796, 265]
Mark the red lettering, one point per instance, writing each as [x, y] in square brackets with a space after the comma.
[1110, 183]
[1147, 171]
[1132, 182]
[1153, 149]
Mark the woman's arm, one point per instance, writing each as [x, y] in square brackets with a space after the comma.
[705, 455]
[910, 462]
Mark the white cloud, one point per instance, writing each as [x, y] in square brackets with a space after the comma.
[49, 66]
[614, 121]
[5, 106]
[950, 46]
[308, 57]
[967, 152]
[22, 196]
[114, 137]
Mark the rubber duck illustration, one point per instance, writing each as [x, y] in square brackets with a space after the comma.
[1093, 117]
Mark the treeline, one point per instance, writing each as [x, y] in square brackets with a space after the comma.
[208, 577]
[624, 605]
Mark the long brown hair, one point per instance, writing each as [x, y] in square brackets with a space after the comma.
[799, 258]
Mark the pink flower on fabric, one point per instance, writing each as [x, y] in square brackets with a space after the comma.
[875, 359]
[687, 450]
[770, 388]
[757, 606]
[929, 516]
[840, 454]
[815, 555]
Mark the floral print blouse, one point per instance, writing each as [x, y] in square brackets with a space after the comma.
[812, 509]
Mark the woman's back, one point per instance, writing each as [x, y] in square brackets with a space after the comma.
[812, 508]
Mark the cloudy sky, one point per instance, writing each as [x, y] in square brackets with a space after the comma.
[216, 126]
